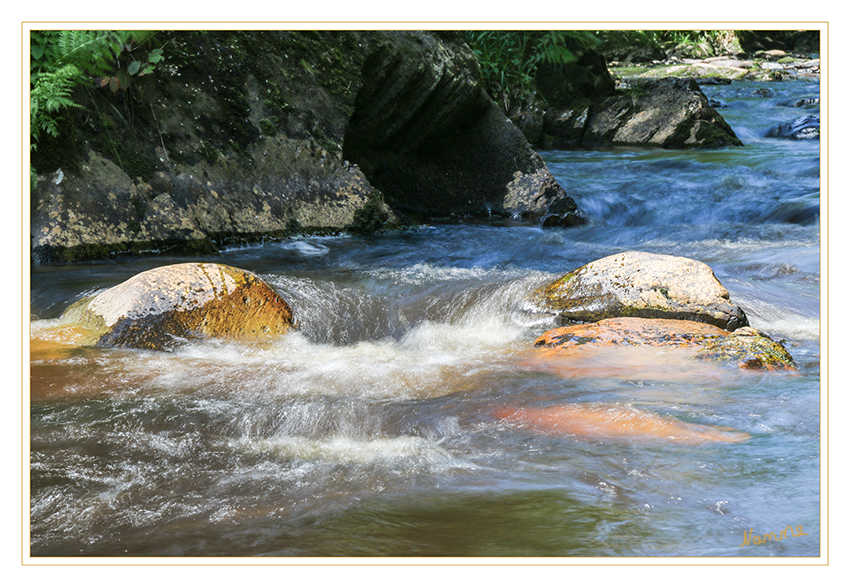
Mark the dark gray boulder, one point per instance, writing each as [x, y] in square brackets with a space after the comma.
[668, 113]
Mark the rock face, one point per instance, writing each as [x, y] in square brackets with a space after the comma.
[426, 134]
[641, 285]
[157, 308]
[240, 136]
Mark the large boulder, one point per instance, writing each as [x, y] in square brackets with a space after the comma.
[643, 285]
[427, 135]
[161, 307]
[668, 113]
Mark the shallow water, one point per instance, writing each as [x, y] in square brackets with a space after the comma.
[373, 430]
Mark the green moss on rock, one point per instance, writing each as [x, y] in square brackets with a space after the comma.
[749, 349]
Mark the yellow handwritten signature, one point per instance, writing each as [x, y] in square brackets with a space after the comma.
[749, 538]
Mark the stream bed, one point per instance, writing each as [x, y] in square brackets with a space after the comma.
[372, 430]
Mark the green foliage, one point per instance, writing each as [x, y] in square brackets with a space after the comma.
[370, 218]
[112, 57]
[509, 59]
[696, 43]
[61, 61]
[50, 93]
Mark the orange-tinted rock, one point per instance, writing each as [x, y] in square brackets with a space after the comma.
[156, 308]
[603, 347]
[643, 285]
[611, 421]
[631, 332]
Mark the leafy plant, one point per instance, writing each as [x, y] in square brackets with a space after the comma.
[697, 43]
[61, 61]
[100, 53]
[509, 59]
[50, 93]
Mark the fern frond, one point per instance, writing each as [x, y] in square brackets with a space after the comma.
[96, 52]
[50, 93]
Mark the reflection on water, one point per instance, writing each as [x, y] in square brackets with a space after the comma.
[381, 427]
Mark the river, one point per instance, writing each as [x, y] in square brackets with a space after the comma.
[372, 430]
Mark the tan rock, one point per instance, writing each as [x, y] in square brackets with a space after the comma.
[159, 307]
[641, 285]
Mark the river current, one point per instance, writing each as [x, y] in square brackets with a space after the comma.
[372, 430]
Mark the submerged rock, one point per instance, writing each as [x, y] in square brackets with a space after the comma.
[157, 308]
[799, 129]
[644, 285]
[615, 422]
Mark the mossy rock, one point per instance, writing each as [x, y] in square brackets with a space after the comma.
[644, 285]
[750, 349]
[159, 308]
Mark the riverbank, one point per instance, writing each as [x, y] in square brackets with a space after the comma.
[764, 66]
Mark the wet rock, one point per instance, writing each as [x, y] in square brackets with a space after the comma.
[631, 332]
[750, 349]
[639, 284]
[811, 102]
[159, 308]
[799, 129]
[745, 348]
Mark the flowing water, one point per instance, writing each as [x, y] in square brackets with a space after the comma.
[374, 430]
